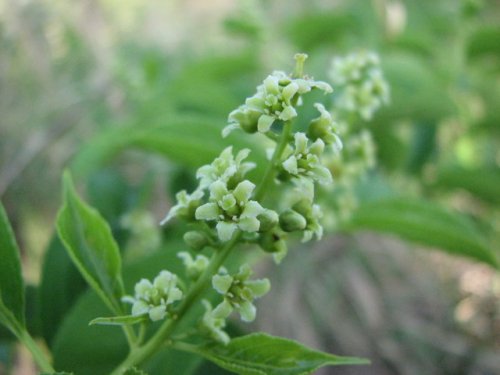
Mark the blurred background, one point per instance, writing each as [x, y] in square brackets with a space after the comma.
[131, 95]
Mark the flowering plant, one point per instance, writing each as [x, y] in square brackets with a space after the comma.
[225, 211]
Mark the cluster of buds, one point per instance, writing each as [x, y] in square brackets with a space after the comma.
[275, 101]
[362, 88]
[154, 299]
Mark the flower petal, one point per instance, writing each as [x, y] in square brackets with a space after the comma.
[265, 122]
[208, 211]
[225, 230]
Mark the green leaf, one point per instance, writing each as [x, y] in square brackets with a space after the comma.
[425, 223]
[178, 139]
[482, 182]
[61, 282]
[57, 373]
[261, 354]
[484, 42]
[11, 281]
[91, 246]
[119, 320]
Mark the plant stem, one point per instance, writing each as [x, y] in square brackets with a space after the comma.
[140, 354]
[269, 173]
[38, 355]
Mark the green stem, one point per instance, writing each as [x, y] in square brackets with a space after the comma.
[38, 355]
[269, 173]
[140, 354]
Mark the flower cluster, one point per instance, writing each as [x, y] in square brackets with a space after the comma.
[226, 208]
[275, 101]
[154, 298]
[239, 293]
[361, 86]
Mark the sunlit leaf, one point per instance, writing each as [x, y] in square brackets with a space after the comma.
[91, 246]
[262, 354]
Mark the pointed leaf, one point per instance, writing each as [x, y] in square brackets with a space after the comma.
[11, 282]
[119, 320]
[425, 223]
[262, 354]
[90, 244]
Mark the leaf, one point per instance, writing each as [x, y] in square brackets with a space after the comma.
[178, 138]
[57, 373]
[61, 282]
[91, 246]
[484, 42]
[262, 354]
[119, 320]
[425, 223]
[11, 281]
[482, 182]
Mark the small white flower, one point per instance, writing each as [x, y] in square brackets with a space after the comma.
[239, 293]
[304, 160]
[154, 298]
[186, 205]
[225, 167]
[231, 209]
[214, 325]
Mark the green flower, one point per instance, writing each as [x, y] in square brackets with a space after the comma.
[225, 168]
[239, 293]
[185, 207]
[154, 298]
[312, 214]
[276, 99]
[194, 267]
[231, 209]
[213, 325]
[323, 128]
[304, 160]
[361, 86]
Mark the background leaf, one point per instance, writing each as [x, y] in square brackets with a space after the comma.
[174, 137]
[425, 223]
[90, 244]
[262, 354]
[11, 282]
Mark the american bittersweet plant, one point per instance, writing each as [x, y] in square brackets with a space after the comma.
[224, 212]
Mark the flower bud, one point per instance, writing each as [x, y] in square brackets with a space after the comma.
[196, 239]
[271, 242]
[268, 220]
[291, 221]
